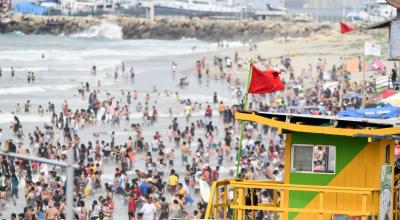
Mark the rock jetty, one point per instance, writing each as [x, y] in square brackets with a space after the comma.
[164, 28]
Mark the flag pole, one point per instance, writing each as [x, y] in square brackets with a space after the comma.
[242, 123]
[342, 74]
[363, 99]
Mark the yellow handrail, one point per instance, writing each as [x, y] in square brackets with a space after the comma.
[239, 207]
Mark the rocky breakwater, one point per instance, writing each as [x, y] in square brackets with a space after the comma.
[213, 30]
[54, 25]
[163, 28]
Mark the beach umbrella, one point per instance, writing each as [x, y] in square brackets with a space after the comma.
[387, 111]
[386, 94]
[394, 100]
[351, 95]
[377, 65]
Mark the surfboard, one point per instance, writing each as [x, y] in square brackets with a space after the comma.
[204, 190]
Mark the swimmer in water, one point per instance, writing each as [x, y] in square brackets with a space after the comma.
[183, 82]
[173, 67]
[12, 72]
[93, 71]
[132, 73]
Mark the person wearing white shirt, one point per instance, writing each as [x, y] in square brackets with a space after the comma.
[148, 210]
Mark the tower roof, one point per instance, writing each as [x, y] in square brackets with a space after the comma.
[394, 3]
[324, 124]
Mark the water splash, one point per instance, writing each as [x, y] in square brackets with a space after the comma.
[105, 29]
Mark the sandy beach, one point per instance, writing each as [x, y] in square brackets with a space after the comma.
[302, 51]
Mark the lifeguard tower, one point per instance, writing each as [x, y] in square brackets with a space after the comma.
[335, 168]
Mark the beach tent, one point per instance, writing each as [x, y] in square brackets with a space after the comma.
[377, 65]
[393, 100]
[387, 111]
[29, 8]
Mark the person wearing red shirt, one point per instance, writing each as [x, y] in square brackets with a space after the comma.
[208, 111]
[131, 208]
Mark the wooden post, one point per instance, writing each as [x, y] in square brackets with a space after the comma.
[241, 197]
[364, 206]
[225, 200]
[275, 204]
[217, 203]
[284, 214]
[253, 215]
[210, 208]
[363, 91]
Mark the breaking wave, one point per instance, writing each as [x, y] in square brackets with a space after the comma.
[105, 29]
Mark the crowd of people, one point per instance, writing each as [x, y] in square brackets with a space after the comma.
[178, 161]
[157, 190]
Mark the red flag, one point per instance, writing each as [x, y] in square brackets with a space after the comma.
[345, 28]
[264, 81]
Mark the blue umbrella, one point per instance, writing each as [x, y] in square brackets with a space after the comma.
[387, 111]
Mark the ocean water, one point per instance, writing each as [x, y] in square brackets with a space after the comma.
[99, 45]
[62, 63]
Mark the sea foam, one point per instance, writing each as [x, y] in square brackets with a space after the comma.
[105, 29]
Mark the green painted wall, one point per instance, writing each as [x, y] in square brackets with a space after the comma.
[346, 149]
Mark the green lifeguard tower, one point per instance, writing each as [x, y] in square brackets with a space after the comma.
[335, 168]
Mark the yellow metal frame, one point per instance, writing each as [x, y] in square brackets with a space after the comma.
[315, 129]
[219, 204]
[280, 205]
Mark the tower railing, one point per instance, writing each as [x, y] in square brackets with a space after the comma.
[241, 199]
